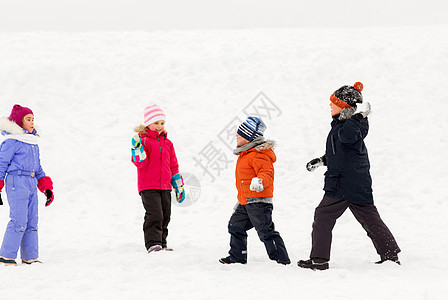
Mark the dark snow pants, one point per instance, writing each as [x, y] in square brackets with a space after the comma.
[157, 204]
[258, 215]
[330, 209]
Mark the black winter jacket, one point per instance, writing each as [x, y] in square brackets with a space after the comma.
[348, 165]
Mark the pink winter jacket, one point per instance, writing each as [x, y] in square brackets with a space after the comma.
[160, 165]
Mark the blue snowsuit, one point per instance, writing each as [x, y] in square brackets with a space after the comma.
[20, 164]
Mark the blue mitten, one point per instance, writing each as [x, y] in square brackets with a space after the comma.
[138, 152]
[178, 184]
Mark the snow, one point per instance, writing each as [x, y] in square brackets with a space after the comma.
[129, 15]
[88, 91]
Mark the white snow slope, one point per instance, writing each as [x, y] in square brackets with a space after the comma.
[88, 92]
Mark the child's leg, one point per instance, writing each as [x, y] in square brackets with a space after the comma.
[29, 248]
[166, 208]
[325, 216]
[152, 226]
[239, 223]
[18, 197]
[383, 240]
[260, 215]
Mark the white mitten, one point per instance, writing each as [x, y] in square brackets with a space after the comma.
[364, 111]
[256, 184]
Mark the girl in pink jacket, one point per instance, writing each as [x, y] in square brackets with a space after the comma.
[157, 168]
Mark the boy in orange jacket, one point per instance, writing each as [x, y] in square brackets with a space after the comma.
[255, 184]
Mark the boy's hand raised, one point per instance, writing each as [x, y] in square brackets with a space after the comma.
[362, 113]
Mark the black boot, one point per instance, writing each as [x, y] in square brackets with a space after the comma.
[8, 262]
[314, 264]
[229, 260]
[391, 258]
[284, 262]
[30, 262]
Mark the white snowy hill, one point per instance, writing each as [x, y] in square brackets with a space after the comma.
[88, 91]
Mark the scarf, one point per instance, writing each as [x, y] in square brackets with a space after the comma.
[256, 142]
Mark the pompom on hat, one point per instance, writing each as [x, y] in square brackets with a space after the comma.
[153, 113]
[348, 96]
[18, 113]
[251, 128]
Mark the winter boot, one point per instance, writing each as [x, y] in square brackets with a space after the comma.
[229, 260]
[314, 264]
[391, 258]
[31, 261]
[7, 261]
[283, 262]
[154, 248]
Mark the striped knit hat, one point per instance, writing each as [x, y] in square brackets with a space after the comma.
[251, 128]
[153, 113]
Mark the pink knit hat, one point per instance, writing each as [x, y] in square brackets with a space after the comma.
[152, 114]
[18, 113]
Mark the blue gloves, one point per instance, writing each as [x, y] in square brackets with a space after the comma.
[178, 184]
[138, 152]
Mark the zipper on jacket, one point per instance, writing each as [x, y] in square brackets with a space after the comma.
[332, 145]
[161, 160]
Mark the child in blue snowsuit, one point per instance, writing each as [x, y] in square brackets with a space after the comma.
[21, 174]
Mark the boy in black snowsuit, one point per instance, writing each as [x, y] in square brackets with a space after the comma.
[347, 182]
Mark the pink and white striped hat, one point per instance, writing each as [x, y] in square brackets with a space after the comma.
[153, 113]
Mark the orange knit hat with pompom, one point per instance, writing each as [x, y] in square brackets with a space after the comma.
[348, 96]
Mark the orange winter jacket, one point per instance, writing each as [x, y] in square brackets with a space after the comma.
[256, 162]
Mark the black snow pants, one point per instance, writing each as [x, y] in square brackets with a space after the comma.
[258, 215]
[157, 204]
[330, 209]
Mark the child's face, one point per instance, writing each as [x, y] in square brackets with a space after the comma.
[158, 126]
[335, 109]
[28, 122]
[240, 141]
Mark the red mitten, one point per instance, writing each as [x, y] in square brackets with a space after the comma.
[45, 183]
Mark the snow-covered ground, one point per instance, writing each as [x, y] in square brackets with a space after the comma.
[88, 92]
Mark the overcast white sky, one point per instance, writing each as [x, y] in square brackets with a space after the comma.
[93, 15]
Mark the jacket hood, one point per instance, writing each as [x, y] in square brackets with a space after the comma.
[10, 130]
[259, 142]
[142, 130]
[345, 114]
[266, 147]
[10, 127]
[268, 144]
